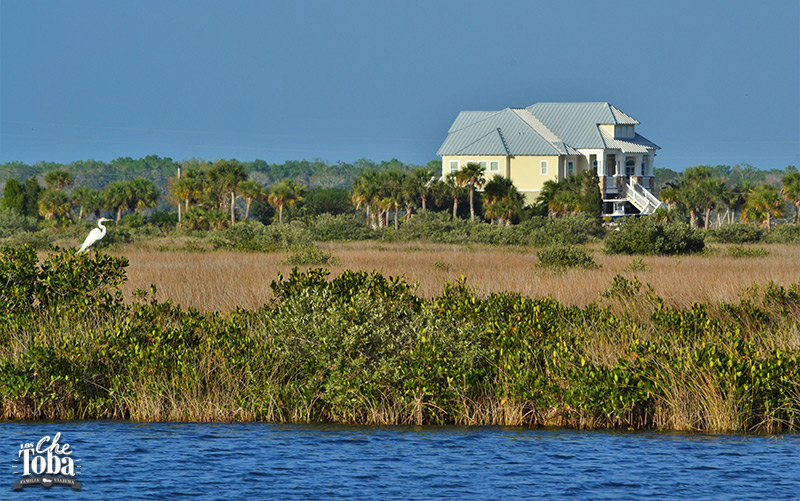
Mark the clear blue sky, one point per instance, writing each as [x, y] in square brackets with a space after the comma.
[712, 82]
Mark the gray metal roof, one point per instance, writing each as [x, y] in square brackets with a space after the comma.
[498, 133]
[540, 129]
[636, 144]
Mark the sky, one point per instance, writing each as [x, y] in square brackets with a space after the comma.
[712, 82]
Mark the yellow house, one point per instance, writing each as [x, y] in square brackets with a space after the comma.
[550, 141]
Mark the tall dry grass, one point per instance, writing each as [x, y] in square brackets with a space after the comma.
[226, 280]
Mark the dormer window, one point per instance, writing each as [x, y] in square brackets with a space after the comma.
[623, 131]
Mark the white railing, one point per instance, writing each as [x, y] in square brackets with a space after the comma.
[646, 202]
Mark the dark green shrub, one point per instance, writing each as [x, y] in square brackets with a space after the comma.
[338, 228]
[562, 257]
[64, 278]
[738, 251]
[13, 223]
[738, 233]
[114, 236]
[36, 239]
[784, 234]
[645, 235]
[252, 236]
[568, 230]
[164, 219]
[132, 220]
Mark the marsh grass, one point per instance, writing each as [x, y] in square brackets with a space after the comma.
[224, 280]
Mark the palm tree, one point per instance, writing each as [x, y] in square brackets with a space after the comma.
[695, 191]
[359, 195]
[225, 176]
[53, 204]
[78, 195]
[472, 176]
[394, 181]
[766, 200]
[455, 189]
[117, 196]
[791, 192]
[58, 179]
[670, 195]
[88, 199]
[419, 184]
[547, 197]
[249, 191]
[285, 193]
[502, 200]
[143, 194]
[712, 193]
[365, 192]
[738, 198]
[182, 189]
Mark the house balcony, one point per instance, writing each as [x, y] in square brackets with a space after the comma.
[617, 185]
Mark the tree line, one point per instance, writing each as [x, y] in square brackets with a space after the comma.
[706, 198]
[201, 195]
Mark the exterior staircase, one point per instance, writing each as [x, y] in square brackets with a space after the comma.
[642, 199]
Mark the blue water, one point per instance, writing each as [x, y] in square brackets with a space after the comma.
[263, 461]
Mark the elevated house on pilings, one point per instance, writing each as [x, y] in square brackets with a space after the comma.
[551, 141]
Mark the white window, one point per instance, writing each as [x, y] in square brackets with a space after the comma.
[570, 167]
[453, 165]
[494, 166]
[544, 167]
[482, 163]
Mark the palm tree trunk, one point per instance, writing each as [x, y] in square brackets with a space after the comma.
[233, 206]
[119, 213]
[247, 208]
[424, 199]
[708, 215]
[471, 203]
[396, 216]
[280, 213]
[455, 207]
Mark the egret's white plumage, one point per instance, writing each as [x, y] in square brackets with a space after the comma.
[94, 235]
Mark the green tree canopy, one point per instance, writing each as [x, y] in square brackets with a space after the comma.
[285, 193]
[13, 196]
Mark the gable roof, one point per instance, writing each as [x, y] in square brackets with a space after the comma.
[540, 129]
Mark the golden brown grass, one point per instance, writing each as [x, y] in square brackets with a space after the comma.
[224, 280]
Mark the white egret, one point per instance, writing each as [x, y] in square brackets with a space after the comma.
[94, 235]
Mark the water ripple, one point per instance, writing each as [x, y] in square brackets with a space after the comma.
[257, 461]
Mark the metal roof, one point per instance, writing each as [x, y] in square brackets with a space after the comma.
[540, 129]
[498, 133]
[636, 144]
